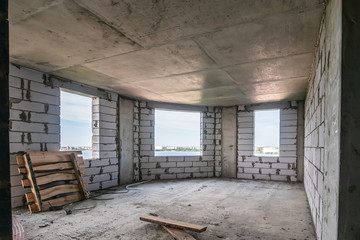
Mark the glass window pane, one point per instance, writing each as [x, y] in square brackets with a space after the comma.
[75, 123]
[177, 133]
[267, 133]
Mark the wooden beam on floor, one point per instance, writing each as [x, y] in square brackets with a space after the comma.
[178, 234]
[174, 223]
[5, 193]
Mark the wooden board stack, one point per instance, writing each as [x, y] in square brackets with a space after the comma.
[55, 178]
[175, 228]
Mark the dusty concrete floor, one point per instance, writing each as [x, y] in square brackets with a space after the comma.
[232, 209]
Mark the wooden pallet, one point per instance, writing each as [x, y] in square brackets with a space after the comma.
[55, 178]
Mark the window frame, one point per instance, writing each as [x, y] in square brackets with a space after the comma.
[200, 132]
[91, 123]
[254, 135]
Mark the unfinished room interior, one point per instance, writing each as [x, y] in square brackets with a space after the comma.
[180, 119]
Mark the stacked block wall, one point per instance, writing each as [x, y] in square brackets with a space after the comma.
[147, 166]
[35, 126]
[282, 168]
[103, 169]
[324, 131]
[314, 151]
[34, 121]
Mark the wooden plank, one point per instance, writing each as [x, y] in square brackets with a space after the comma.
[34, 187]
[40, 174]
[178, 234]
[53, 167]
[29, 197]
[25, 183]
[78, 176]
[62, 201]
[60, 176]
[80, 161]
[51, 156]
[46, 158]
[174, 223]
[22, 170]
[33, 208]
[60, 189]
[20, 160]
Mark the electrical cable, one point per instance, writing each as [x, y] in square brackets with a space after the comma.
[115, 192]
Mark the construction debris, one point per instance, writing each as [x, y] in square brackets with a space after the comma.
[174, 224]
[178, 234]
[175, 228]
[55, 179]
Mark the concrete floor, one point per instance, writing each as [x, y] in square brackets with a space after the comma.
[231, 209]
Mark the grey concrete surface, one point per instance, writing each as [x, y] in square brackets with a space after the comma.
[300, 142]
[229, 142]
[126, 116]
[331, 167]
[216, 52]
[231, 209]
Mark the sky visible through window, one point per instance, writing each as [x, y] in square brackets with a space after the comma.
[267, 132]
[75, 120]
[177, 131]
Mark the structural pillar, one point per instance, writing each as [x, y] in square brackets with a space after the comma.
[300, 141]
[229, 143]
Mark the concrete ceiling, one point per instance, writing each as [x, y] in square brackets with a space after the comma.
[209, 52]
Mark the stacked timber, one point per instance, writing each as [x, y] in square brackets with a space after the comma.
[55, 178]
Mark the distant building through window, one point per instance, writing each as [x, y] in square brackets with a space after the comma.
[267, 133]
[75, 123]
[177, 133]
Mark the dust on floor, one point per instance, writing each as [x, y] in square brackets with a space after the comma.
[231, 209]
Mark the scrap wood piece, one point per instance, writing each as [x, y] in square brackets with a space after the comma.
[59, 189]
[34, 188]
[178, 234]
[47, 204]
[60, 176]
[53, 157]
[174, 223]
[53, 167]
[78, 176]
[41, 174]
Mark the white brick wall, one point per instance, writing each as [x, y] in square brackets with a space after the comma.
[147, 166]
[103, 170]
[315, 137]
[34, 121]
[282, 168]
[35, 126]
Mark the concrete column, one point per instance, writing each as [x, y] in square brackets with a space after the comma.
[126, 141]
[229, 144]
[300, 141]
[349, 190]
[5, 194]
